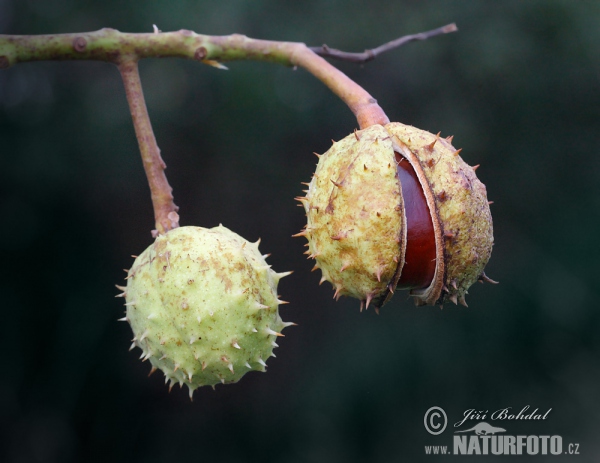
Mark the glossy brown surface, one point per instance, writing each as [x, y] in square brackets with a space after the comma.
[419, 266]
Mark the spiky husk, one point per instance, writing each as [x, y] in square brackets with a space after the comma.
[355, 215]
[461, 209]
[356, 225]
[203, 306]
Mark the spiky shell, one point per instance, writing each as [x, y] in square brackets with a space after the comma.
[355, 215]
[356, 223]
[203, 306]
[462, 217]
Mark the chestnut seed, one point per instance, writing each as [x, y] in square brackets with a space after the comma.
[419, 265]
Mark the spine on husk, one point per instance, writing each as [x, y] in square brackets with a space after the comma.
[358, 225]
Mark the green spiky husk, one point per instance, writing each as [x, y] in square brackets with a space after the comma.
[356, 225]
[202, 304]
[354, 229]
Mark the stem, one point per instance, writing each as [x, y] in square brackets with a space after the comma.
[165, 211]
[360, 102]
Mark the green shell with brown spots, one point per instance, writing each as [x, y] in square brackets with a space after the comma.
[203, 306]
[355, 219]
[356, 223]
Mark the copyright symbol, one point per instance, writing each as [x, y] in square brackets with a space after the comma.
[435, 420]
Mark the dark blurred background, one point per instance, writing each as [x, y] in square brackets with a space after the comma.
[518, 86]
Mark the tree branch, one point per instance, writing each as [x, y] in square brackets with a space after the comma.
[111, 46]
[369, 55]
[126, 49]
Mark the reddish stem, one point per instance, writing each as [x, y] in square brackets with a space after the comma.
[360, 102]
[165, 210]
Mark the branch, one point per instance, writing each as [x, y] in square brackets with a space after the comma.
[125, 50]
[165, 211]
[369, 55]
[112, 46]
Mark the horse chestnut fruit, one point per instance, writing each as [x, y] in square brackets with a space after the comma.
[396, 207]
[203, 306]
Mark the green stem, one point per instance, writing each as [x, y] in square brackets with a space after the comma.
[165, 211]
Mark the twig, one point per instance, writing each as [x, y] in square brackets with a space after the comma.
[165, 211]
[369, 55]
